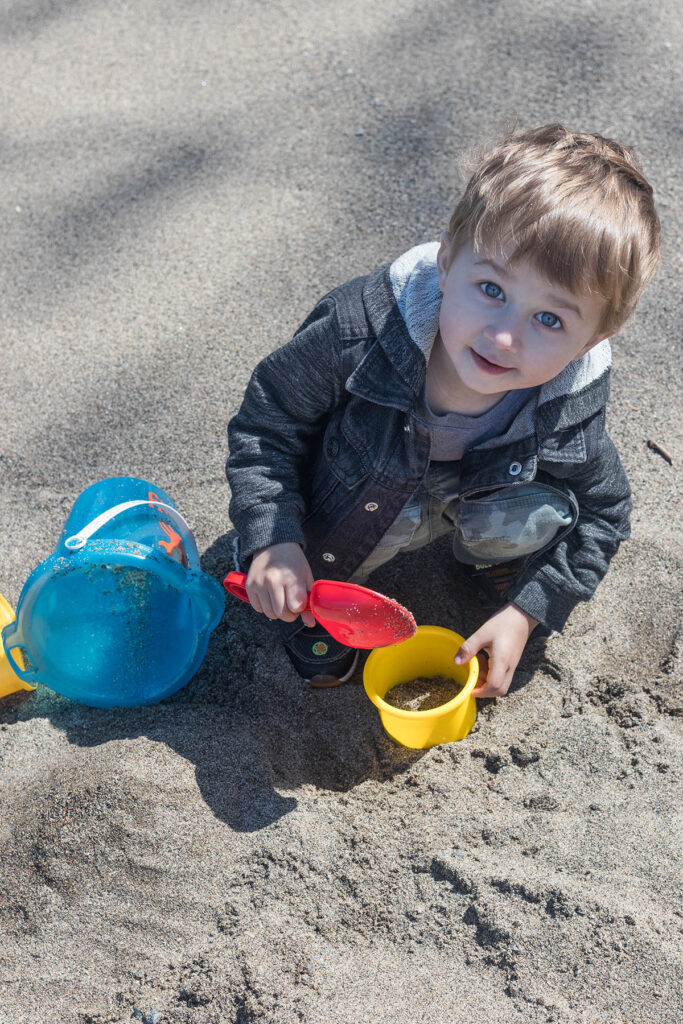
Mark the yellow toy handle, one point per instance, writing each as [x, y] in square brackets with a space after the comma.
[13, 677]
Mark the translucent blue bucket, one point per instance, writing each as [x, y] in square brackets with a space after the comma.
[120, 614]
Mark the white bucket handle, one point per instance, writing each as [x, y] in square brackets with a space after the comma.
[78, 540]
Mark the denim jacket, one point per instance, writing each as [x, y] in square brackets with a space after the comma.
[326, 449]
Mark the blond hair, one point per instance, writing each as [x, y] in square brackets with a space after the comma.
[576, 206]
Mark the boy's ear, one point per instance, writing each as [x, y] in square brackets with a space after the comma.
[442, 260]
[594, 341]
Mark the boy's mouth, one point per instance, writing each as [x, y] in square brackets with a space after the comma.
[486, 365]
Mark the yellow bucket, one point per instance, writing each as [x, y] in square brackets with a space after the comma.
[430, 652]
[9, 680]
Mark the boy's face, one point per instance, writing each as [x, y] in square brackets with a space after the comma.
[506, 328]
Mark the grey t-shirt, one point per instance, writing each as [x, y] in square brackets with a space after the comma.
[454, 433]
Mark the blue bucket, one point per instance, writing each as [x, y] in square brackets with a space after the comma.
[120, 614]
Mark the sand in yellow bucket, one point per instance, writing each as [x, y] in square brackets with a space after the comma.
[9, 680]
[430, 652]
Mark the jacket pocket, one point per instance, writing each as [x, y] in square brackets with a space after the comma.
[337, 470]
[340, 459]
[511, 522]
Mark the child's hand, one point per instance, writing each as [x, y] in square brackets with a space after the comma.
[503, 637]
[278, 582]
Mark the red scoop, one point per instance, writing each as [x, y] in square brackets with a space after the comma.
[353, 615]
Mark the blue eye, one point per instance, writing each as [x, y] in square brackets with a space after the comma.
[549, 320]
[491, 290]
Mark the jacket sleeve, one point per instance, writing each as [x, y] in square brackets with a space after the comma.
[287, 401]
[556, 580]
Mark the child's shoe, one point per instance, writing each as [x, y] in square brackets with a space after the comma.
[492, 582]
[313, 652]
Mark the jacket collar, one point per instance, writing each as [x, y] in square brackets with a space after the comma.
[393, 370]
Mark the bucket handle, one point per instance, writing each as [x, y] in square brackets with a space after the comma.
[78, 540]
[12, 642]
[27, 674]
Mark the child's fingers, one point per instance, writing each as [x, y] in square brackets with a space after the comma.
[281, 603]
[262, 601]
[470, 647]
[483, 674]
[297, 600]
[256, 602]
[296, 596]
[497, 682]
[269, 599]
[279, 598]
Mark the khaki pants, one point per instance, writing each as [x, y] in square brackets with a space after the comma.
[507, 524]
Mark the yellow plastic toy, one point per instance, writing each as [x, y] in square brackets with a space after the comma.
[429, 652]
[9, 680]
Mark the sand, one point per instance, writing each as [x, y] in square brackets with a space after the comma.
[180, 183]
[423, 693]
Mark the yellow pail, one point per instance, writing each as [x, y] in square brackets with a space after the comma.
[9, 680]
[430, 652]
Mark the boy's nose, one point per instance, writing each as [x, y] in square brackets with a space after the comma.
[504, 334]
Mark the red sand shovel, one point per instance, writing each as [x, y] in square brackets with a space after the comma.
[353, 615]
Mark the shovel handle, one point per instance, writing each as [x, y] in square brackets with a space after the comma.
[234, 583]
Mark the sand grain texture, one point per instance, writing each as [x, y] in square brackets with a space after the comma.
[181, 182]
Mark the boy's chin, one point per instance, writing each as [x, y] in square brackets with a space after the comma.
[491, 386]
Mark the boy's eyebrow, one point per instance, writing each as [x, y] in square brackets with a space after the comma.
[557, 300]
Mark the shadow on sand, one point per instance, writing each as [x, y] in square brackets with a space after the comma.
[247, 722]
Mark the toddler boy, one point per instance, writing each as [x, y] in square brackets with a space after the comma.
[462, 390]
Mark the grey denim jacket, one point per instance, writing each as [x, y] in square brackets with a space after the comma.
[325, 449]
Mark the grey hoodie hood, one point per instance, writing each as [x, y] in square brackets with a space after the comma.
[415, 284]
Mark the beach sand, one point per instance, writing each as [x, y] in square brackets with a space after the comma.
[180, 183]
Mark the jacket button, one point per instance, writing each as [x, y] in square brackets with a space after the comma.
[371, 506]
[406, 427]
[332, 448]
[328, 556]
[515, 468]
